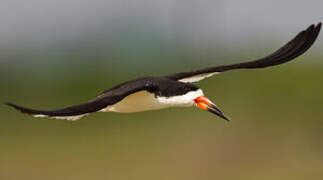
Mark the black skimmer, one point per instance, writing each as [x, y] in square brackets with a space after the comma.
[174, 90]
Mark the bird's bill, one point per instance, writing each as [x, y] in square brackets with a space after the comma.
[204, 103]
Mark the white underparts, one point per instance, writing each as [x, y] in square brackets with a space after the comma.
[144, 101]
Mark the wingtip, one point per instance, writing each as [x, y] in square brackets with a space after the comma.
[8, 104]
[19, 108]
[318, 26]
[314, 26]
[12, 105]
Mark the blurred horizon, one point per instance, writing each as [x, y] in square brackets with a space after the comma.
[55, 54]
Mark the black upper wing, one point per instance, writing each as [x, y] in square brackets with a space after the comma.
[297, 46]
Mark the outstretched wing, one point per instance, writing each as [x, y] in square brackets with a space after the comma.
[107, 98]
[69, 113]
[297, 46]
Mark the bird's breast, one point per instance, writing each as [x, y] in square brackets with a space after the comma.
[139, 101]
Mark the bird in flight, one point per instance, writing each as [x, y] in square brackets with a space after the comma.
[174, 90]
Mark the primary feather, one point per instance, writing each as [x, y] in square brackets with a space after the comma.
[294, 48]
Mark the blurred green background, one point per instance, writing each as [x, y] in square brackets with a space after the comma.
[277, 119]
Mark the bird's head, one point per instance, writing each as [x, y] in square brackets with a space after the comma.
[178, 94]
[204, 103]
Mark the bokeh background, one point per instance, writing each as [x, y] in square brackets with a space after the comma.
[59, 53]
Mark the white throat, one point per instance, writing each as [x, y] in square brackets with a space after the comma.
[185, 100]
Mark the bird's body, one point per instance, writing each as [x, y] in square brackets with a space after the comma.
[174, 90]
[160, 93]
[144, 101]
